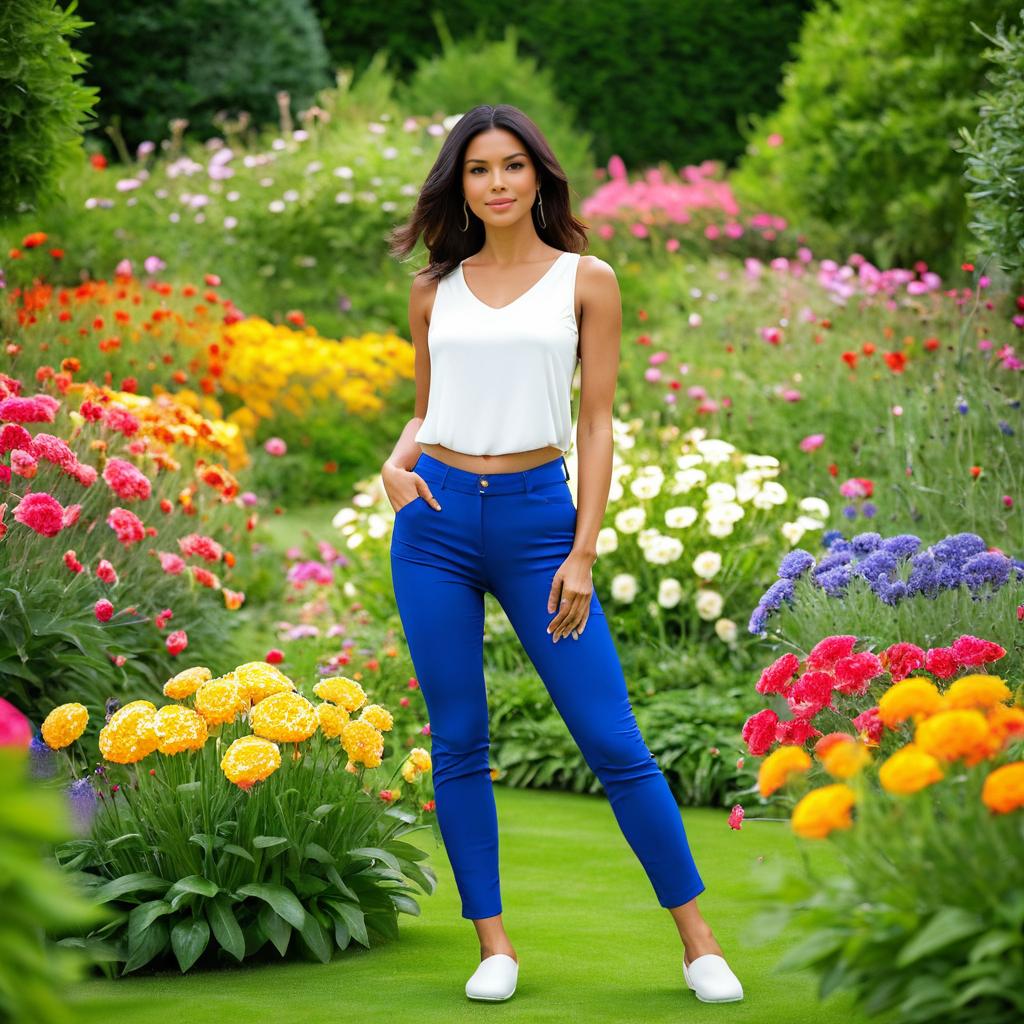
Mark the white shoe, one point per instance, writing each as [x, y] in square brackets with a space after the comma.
[710, 977]
[495, 978]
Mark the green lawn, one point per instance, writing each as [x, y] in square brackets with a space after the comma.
[593, 944]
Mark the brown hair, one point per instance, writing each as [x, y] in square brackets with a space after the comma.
[438, 214]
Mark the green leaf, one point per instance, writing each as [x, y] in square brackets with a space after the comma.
[315, 938]
[375, 853]
[407, 850]
[342, 936]
[284, 901]
[225, 926]
[237, 851]
[275, 928]
[354, 918]
[811, 950]
[143, 916]
[405, 904]
[339, 883]
[314, 851]
[190, 787]
[993, 943]
[268, 842]
[323, 810]
[193, 883]
[141, 881]
[152, 942]
[188, 940]
[207, 842]
[949, 925]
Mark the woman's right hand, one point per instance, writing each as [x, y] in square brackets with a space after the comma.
[405, 485]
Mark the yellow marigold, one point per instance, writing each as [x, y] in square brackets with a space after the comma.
[844, 759]
[416, 765]
[1004, 721]
[250, 759]
[284, 717]
[977, 691]
[64, 724]
[221, 700]
[909, 769]
[915, 697]
[363, 743]
[184, 684]
[779, 765]
[378, 716]
[332, 719]
[1003, 790]
[259, 679]
[129, 735]
[341, 690]
[179, 728]
[822, 810]
[951, 735]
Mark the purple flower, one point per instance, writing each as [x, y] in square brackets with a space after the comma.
[868, 509]
[82, 800]
[892, 593]
[758, 624]
[850, 511]
[795, 564]
[42, 759]
[779, 591]
[829, 537]
[835, 581]
[903, 545]
[305, 572]
[1006, 428]
[877, 565]
[958, 547]
[987, 567]
[865, 543]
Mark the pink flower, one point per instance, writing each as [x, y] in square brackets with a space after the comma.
[103, 609]
[106, 572]
[968, 650]
[868, 723]
[825, 653]
[275, 446]
[759, 731]
[72, 562]
[15, 728]
[85, 474]
[118, 418]
[162, 618]
[776, 677]
[70, 515]
[12, 436]
[170, 563]
[177, 642]
[53, 449]
[40, 512]
[37, 409]
[24, 464]
[812, 441]
[795, 731]
[205, 547]
[126, 481]
[127, 525]
[736, 816]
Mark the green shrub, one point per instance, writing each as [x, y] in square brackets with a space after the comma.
[42, 107]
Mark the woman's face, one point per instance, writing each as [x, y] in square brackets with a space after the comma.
[497, 167]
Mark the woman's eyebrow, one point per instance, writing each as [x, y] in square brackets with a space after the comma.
[477, 160]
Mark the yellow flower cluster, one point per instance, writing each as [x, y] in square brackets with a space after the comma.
[776, 768]
[64, 724]
[250, 759]
[363, 743]
[1003, 790]
[275, 368]
[130, 734]
[185, 683]
[823, 810]
[332, 719]
[284, 717]
[379, 717]
[342, 691]
[179, 728]
[260, 679]
[221, 700]
[416, 765]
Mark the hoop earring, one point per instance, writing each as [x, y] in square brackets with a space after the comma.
[465, 210]
[540, 209]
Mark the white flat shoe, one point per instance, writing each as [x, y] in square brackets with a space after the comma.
[712, 980]
[495, 978]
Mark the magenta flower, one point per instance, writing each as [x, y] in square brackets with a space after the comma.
[812, 441]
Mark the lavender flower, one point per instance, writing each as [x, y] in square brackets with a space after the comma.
[868, 509]
[795, 564]
[958, 547]
[987, 567]
[865, 543]
[82, 800]
[758, 621]
[850, 511]
[877, 565]
[779, 591]
[835, 581]
[42, 759]
[903, 545]
[829, 537]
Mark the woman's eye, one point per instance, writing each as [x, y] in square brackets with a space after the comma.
[515, 163]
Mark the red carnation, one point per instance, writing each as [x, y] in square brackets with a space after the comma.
[118, 418]
[795, 731]
[825, 653]
[37, 409]
[274, 656]
[205, 547]
[171, 563]
[901, 659]
[127, 525]
[40, 512]
[868, 724]
[106, 572]
[72, 562]
[855, 672]
[14, 436]
[736, 816]
[759, 731]
[776, 677]
[810, 694]
[972, 650]
[177, 641]
[941, 662]
[103, 609]
[126, 481]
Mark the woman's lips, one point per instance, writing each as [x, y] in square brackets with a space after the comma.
[500, 205]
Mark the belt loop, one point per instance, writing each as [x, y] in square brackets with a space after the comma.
[445, 477]
[526, 480]
[565, 466]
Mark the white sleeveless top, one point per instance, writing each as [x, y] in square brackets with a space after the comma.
[501, 377]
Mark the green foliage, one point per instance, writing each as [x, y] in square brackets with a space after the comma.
[37, 897]
[193, 866]
[676, 95]
[871, 105]
[995, 155]
[43, 108]
[200, 60]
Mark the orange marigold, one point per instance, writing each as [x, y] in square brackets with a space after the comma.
[844, 759]
[64, 724]
[823, 810]
[952, 735]
[777, 767]
[1003, 790]
[915, 697]
[909, 769]
[977, 691]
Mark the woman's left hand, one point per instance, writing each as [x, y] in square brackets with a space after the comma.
[571, 590]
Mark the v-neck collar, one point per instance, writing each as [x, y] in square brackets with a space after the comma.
[473, 295]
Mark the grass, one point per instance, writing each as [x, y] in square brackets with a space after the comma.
[593, 943]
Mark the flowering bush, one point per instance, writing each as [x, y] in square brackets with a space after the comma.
[254, 817]
[933, 770]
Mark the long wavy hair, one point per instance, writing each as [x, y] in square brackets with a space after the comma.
[438, 214]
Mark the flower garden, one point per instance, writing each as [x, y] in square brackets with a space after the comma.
[213, 747]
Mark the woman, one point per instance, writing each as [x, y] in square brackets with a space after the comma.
[499, 319]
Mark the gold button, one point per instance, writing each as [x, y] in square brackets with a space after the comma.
[484, 483]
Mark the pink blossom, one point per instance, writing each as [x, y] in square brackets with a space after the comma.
[126, 481]
[177, 642]
[36, 409]
[812, 441]
[103, 610]
[106, 572]
[275, 446]
[40, 512]
[170, 563]
[127, 525]
[736, 816]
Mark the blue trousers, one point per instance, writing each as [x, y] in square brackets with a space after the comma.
[507, 533]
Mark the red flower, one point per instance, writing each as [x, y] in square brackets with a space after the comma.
[759, 731]
[795, 731]
[811, 693]
[825, 653]
[736, 816]
[776, 677]
[896, 361]
[971, 650]
[118, 418]
[869, 725]
[204, 576]
[72, 562]
[177, 642]
[940, 662]
[40, 512]
[106, 572]
[855, 672]
[274, 656]
[171, 563]
[127, 525]
[901, 659]
[103, 609]
[161, 619]
[205, 547]
[126, 481]
[850, 358]
[14, 436]
[37, 409]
